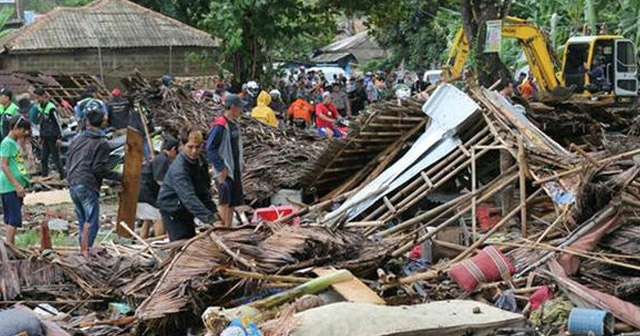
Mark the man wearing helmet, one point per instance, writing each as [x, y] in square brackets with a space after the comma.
[251, 96]
[278, 106]
[87, 165]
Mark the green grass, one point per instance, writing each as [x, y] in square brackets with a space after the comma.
[29, 238]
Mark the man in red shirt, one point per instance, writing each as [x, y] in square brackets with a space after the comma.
[327, 116]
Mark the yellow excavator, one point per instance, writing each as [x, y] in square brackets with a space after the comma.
[614, 84]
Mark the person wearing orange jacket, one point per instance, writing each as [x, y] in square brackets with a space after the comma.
[299, 112]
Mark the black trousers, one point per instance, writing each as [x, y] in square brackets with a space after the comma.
[50, 147]
[179, 225]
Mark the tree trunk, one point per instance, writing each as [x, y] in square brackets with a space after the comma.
[475, 14]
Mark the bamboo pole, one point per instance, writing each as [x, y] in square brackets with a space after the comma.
[235, 256]
[138, 238]
[452, 219]
[494, 229]
[423, 190]
[260, 276]
[474, 220]
[452, 160]
[523, 187]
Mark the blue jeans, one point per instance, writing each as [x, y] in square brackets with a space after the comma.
[87, 202]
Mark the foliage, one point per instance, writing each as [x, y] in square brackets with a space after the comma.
[43, 6]
[416, 31]
[5, 15]
[258, 32]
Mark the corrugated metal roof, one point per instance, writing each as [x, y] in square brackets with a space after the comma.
[331, 57]
[347, 43]
[105, 24]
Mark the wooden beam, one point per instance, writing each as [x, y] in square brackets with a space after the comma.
[133, 153]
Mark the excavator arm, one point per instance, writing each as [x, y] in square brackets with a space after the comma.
[534, 46]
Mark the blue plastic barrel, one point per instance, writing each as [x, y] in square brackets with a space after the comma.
[596, 322]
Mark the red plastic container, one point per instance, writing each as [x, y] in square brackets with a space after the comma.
[274, 213]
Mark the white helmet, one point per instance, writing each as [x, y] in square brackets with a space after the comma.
[274, 92]
[252, 85]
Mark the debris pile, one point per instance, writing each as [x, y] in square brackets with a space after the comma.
[275, 158]
[464, 198]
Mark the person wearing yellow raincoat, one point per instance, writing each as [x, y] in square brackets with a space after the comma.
[263, 112]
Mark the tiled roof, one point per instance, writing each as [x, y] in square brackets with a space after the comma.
[105, 24]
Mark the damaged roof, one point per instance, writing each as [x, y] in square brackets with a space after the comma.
[105, 24]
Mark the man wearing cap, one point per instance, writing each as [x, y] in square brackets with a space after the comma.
[185, 194]
[8, 109]
[327, 116]
[90, 94]
[224, 150]
[50, 132]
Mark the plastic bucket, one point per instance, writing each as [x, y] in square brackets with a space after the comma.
[583, 321]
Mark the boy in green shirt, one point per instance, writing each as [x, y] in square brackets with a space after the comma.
[13, 176]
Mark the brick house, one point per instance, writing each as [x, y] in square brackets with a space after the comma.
[109, 38]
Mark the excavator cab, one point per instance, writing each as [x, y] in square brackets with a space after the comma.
[603, 66]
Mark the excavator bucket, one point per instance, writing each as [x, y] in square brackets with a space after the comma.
[560, 93]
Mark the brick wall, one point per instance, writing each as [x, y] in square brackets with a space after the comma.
[115, 62]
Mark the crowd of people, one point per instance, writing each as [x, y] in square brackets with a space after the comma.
[174, 193]
[311, 101]
[174, 190]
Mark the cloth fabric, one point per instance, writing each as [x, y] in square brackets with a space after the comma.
[224, 147]
[50, 148]
[180, 225]
[487, 266]
[186, 188]
[15, 321]
[9, 148]
[263, 112]
[230, 193]
[300, 109]
[334, 132]
[48, 120]
[152, 172]
[88, 161]
[87, 209]
[12, 209]
[146, 211]
[326, 110]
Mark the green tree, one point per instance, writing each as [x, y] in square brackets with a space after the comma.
[255, 33]
[5, 15]
[416, 31]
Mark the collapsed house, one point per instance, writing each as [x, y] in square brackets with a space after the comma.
[463, 197]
